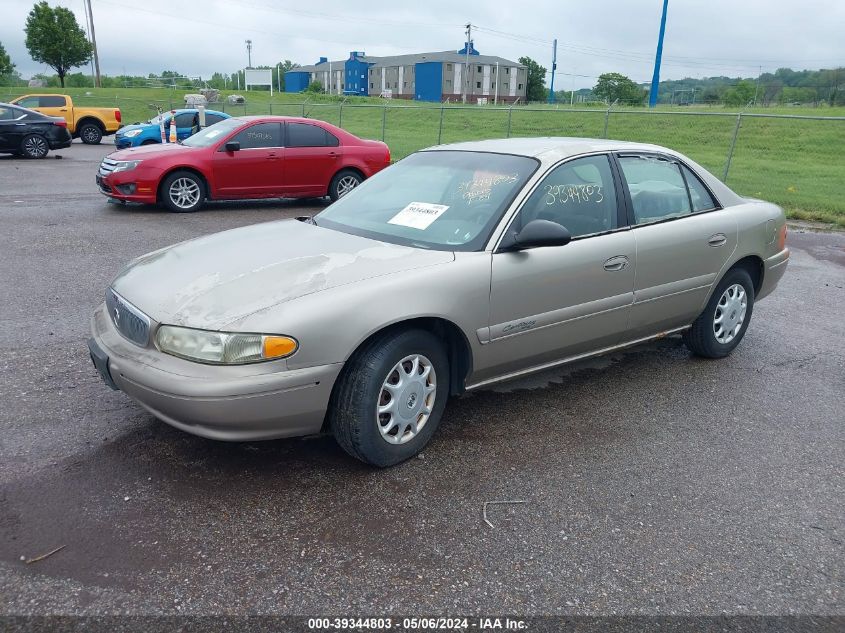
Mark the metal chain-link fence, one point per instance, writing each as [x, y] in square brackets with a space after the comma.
[795, 161]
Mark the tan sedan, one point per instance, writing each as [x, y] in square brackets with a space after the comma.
[458, 267]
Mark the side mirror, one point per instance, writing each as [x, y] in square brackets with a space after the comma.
[233, 146]
[537, 234]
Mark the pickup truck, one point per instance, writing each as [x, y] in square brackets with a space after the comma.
[89, 124]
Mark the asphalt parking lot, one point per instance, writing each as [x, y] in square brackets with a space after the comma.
[653, 482]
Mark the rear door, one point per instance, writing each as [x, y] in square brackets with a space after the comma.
[255, 170]
[683, 240]
[13, 127]
[312, 157]
[551, 303]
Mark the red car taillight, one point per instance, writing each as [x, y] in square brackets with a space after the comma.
[117, 115]
[387, 156]
[61, 123]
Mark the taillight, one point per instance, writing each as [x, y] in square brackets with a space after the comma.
[782, 237]
[61, 123]
[387, 156]
[117, 115]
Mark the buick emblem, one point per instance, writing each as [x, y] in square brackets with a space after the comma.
[412, 401]
[116, 315]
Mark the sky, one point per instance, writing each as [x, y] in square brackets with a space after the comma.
[199, 37]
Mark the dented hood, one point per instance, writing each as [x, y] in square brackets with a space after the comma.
[211, 281]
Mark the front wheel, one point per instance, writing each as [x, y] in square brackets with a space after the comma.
[720, 328]
[183, 192]
[34, 146]
[390, 397]
[91, 134]
[343, 182]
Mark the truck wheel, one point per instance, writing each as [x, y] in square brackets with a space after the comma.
[91, 133]
[183, 192]
[34, 146]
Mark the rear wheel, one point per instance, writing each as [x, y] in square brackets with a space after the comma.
[183, 192]
[720, 328]
[34, 146]
[389, 400]
[90, 133]
[343, 182]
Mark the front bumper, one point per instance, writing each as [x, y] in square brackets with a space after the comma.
[114, 186]
[237, 403]
[773, 269]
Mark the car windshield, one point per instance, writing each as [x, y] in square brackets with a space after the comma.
[213, 133]
[442, 200]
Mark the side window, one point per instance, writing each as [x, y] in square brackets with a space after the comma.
[185, 119]
[9, 114]
[657, 188]
[701, 198]
[52, 102]
[305, 135]
[260, 135]
[211, 119]
[29, 102]
[578, 194]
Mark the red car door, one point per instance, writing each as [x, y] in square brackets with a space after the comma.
[312, 157]
[254, 168]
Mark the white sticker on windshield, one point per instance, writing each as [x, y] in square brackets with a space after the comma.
[213, 133]
[418, 215]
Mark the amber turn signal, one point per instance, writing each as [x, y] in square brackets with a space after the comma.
[278, 346]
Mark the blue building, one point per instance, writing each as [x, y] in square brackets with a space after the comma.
[438, 76]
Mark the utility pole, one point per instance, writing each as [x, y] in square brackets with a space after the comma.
[757, 85]
[248, 52]
[554, 67]
[97, 81]
[466, 65]
[655, 80]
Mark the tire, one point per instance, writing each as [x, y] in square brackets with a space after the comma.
[343, 182]
[717, 331]
[34, 146]
[183, 192]
[386, 439]
[90, 133]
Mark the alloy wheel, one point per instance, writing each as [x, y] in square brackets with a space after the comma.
[184, 193]
[345, 185]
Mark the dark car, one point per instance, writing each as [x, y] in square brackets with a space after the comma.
[241, 158]
[29, 133]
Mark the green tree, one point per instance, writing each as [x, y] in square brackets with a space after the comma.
[285, 66]
[6, 65]
[617, 87]
[536, 88]
[740, 95]
[53, 37]
[315, 86]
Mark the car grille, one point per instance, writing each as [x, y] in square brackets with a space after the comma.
[107, 167]
[129, 320]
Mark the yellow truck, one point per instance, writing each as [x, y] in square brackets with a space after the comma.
[88, 124]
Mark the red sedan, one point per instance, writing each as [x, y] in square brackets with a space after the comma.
[246, 157]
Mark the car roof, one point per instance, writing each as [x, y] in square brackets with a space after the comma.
[550, 147]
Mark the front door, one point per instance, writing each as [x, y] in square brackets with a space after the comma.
[256, 170]
[547, 304]
[683, 241]
[12, 127]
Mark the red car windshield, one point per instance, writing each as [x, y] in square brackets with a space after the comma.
[213, 133]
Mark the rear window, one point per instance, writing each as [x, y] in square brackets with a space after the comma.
[306, 135]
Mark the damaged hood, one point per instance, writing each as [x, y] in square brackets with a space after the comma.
[214, 280]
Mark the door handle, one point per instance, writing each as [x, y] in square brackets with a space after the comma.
[615, 263]
[333, 154]
[63, 110]
[719, 239]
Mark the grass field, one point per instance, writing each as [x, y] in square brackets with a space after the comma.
[797, 163]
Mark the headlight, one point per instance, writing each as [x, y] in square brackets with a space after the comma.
[223, 348]
[125, 165]
[132, 133]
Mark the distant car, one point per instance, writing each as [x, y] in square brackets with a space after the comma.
[29, 133]
[241, 158]
[149, 132]
[85, 122]
[458, 267]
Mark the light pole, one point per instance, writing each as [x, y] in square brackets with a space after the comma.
[655, 80]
